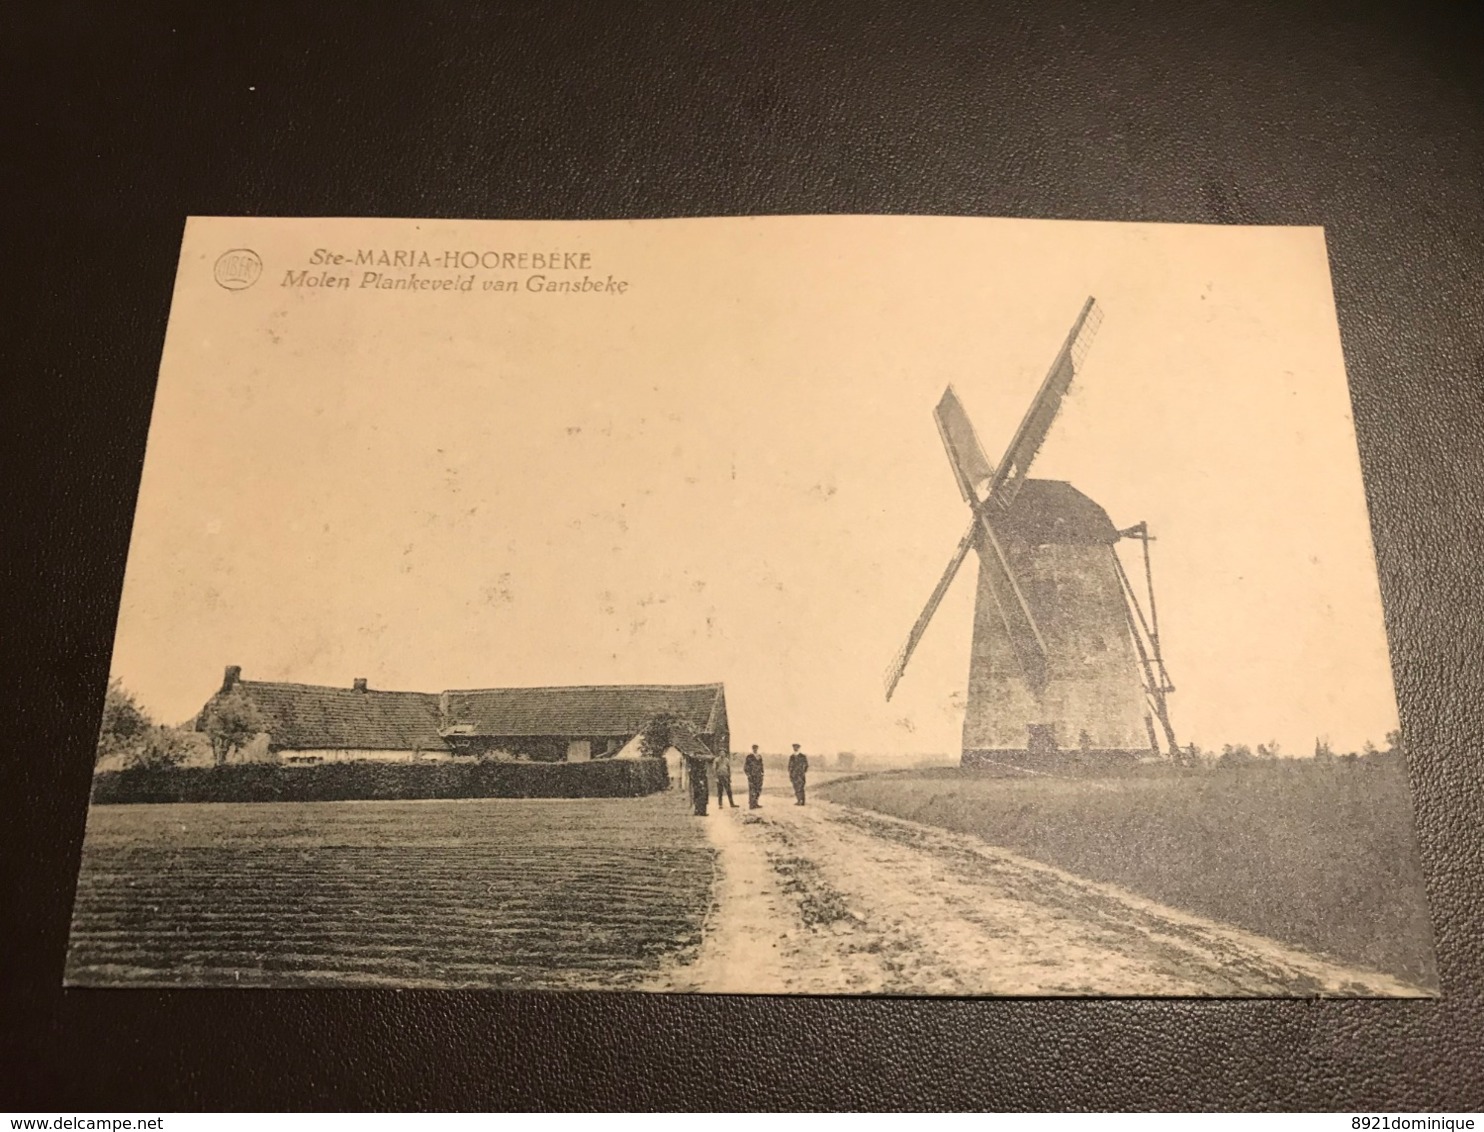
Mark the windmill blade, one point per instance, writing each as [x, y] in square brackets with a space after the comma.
[1020, 625]
[971, 467]
[899, 662]
[1033, 428]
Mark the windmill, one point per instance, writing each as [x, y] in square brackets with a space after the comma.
[1063, 656]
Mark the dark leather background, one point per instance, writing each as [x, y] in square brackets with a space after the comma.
[119, 120]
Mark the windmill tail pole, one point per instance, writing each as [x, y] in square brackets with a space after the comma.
[1156, 683]
[1169, 729]
[1151, 685]
[1140, 531]
[1159, 660]
[1165, 684]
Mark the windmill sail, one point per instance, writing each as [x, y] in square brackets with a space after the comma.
[971, 467]
[974, 473]
[1033, 429]
[1020, 625]
[904, 654]
[990, 491]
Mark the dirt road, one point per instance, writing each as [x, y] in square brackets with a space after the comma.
[828, 899]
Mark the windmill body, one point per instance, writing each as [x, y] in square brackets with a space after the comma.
[1059, 545]
[1063, 657]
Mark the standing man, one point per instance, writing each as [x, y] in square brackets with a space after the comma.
[752, 766]
[723, 767]
[798, 769]
[695, 768]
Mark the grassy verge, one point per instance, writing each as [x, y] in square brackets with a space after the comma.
[1317, 855]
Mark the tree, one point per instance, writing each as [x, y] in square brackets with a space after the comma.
[232, 722]
[159, 747]
[657, 735]
[1235, 755]
[125, 724]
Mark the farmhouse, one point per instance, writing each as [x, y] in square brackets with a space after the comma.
[575, 724]
[308, 723]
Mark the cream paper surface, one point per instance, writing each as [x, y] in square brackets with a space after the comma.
[476, 454]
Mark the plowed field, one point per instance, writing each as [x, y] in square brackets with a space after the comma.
[485, 892]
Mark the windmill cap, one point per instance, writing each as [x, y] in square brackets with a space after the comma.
[1053, 511]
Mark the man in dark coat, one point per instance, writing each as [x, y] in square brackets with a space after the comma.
[752, 766]
[798, 769]
[700, 792]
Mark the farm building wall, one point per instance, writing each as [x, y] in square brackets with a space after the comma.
[259, 750]
[630, 750]
[1093, 695]
[291, 756]
[540, 748]
[633, 749]
[674, 763]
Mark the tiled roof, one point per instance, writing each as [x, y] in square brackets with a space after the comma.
[617, 710]
[308, 716]
[311, 716]
[685, 740]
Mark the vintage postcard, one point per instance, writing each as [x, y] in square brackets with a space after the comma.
[786, 605]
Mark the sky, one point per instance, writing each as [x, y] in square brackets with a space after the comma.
[730, 470]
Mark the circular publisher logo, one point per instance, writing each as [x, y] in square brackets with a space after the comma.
[238, 269]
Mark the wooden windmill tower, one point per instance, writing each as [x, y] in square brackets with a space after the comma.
[1063, 657]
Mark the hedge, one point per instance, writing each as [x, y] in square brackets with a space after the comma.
[365, 781]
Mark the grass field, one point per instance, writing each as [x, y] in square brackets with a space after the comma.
[484, 892]
[1321, 856]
